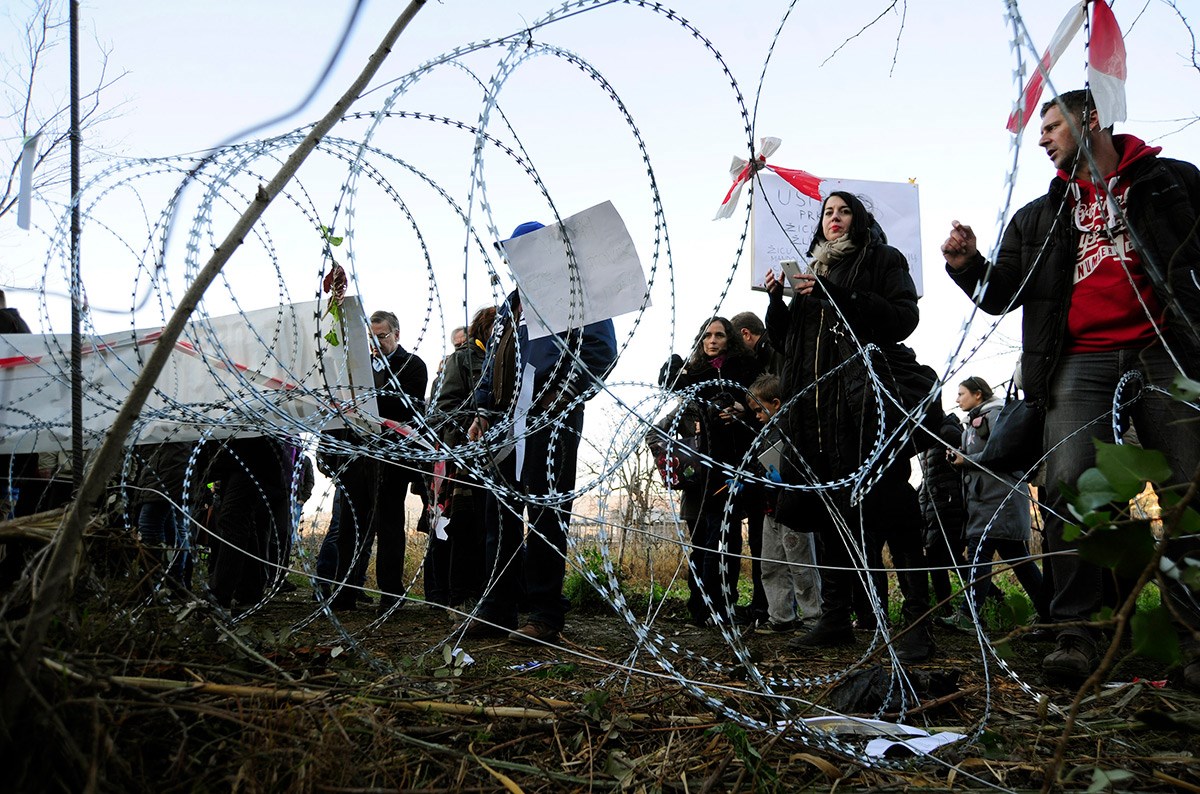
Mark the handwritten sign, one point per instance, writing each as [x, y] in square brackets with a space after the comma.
[785, 220]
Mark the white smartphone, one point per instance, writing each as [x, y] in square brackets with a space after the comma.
[792, 270]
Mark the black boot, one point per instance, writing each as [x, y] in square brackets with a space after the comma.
[916, 644]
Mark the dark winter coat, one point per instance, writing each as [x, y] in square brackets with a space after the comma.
[11, 322]
[999, 501]
[714, 390]
[162, 472]
[454, 393]
[1034, 268]
[401, 384]
[833, 420]
[941, 491]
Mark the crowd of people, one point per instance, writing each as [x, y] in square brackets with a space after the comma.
[783, 424]
[1104, 267]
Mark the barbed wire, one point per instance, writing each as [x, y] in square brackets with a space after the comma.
[224, 180]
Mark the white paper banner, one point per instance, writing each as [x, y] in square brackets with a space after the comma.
[785, 220]
[610, 279]
[229, 375]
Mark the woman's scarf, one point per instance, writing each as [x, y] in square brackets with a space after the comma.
[826, 254]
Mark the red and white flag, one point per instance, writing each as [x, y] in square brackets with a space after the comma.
[1033, 88]
[1106, 65]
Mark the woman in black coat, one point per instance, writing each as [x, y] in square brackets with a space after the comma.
[857, 291]
[454, 567]
[714, 381]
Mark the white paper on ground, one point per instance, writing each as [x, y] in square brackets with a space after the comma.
[920, 745]
[893, 734]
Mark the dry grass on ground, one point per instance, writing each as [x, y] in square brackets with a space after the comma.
[168, 698]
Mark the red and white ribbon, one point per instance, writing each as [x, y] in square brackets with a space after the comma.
[742, 171]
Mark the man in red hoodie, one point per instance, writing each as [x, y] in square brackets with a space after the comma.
[1105, 267]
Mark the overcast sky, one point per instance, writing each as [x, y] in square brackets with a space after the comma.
[922, 94]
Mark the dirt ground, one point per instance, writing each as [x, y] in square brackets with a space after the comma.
[1135, 728]
[165, 694]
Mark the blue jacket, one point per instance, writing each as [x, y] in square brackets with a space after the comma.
[586, 357]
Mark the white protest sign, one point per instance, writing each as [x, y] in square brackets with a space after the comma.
[785, 220]
[608, 281]
[226, 376]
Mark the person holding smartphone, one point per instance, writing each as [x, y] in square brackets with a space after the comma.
[856, 292]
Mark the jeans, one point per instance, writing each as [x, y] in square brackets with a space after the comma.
[1081, 394]
[789, 573]
[347, 541]
[161, 526]
[545, 546]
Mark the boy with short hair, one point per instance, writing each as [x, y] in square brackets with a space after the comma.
[789, 572]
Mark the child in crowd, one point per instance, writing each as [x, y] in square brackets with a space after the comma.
[789, 572]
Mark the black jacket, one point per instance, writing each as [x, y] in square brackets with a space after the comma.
[11, 322]
[453, 393]
[714, 390]
[1034, 268]
[833, 421]
[410, 375]
[941, 491]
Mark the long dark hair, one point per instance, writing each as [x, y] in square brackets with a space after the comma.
[481, 324]
[735, 346]
[861, 220]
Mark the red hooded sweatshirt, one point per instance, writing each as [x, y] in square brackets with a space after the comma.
[1105, 312]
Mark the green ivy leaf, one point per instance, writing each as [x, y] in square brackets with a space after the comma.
[1071, 532]
[1095, 491]
[1154, 635]
[1127, 468]
[1126, 548]
[332, 338]
[327, 233]
[1186, 389]
[1016, 610]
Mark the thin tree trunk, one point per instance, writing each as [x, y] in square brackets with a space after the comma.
[56, 580]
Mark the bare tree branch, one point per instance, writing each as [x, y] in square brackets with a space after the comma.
[891, 7]
[1191, 33]
[30, 114]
